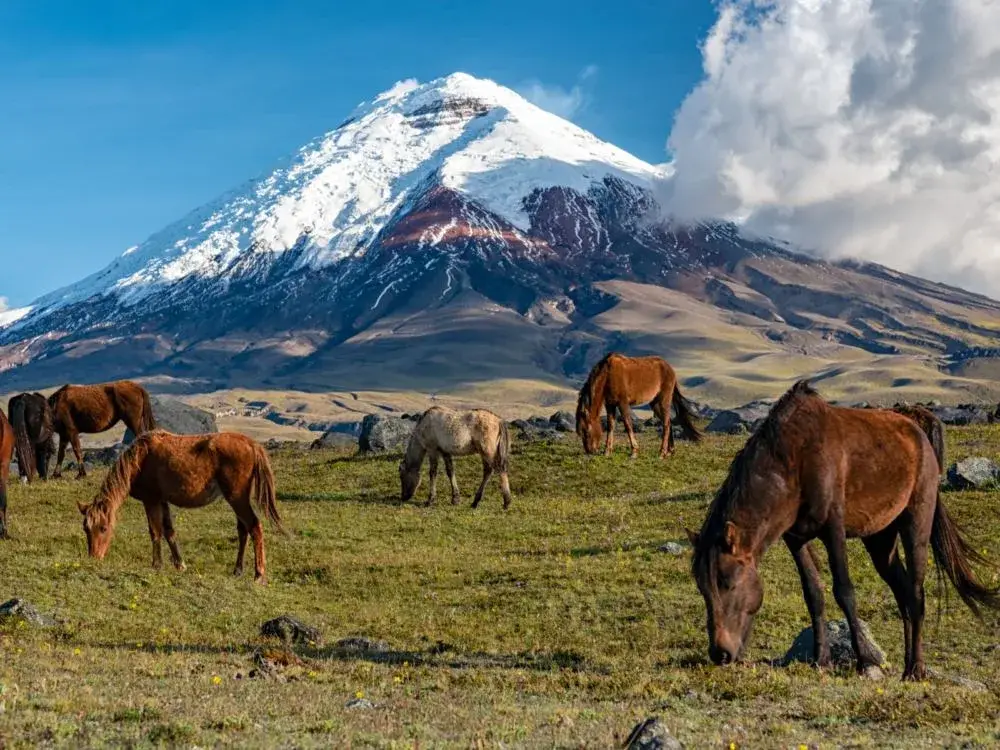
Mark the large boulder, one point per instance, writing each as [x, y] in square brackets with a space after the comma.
[975, 472]
[563, 421]
[964, 414]
[741, 420]
[177, 417]
[381, 433]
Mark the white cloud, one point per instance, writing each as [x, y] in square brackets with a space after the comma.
[861, 128]
[557, 99]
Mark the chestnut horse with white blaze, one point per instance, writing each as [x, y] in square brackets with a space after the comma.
[95, 408]
[618, 382]
[6, 455]
[161, 469]
[812, 470]
[443, 433]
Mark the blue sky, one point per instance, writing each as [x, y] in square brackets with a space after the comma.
[121, 116]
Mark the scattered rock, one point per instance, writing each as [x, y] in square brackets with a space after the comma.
[741, 420]
[529, 431]
[563, 421]
[838, 634]
[381, 433]
[177, 417]
[964, 414]
[360, 644]
[20, 610]
[359, 703]
[651, 734]
[291, 630]
[954, 679]
[334, 440]
[974, 472]
[673, 548]
[103, 456]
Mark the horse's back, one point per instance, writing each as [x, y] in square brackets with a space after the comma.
[454, 432]
[189, 469]
[639, 379]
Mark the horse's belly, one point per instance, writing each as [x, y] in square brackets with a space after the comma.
[863, 519]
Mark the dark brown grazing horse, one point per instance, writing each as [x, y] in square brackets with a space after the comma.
[161, 469]
[812, 470]
[31, 417]
[618, 382]
[932, 426]
[6, 454]
[95, 408]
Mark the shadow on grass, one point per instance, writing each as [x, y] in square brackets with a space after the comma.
[337, 497]
[692, 496]
[355, 458]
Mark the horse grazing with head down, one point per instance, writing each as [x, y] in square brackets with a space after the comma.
[6, 454]
[31, 417]
[443, 433]
[161, 469]
[95, 408]
[618, 382]
[812, 470]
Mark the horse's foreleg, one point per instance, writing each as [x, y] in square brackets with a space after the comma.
[609, 443]
[171, 536]
[432, 476]
[812, 590]
[630, 431]
[835, 539]
[505, 489]
[154, 515]
[449, 467]
[81, 471]
[241, 546]
[487, 473]
[885, 557]
[60, 457]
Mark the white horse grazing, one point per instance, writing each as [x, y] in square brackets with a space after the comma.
[445, 433]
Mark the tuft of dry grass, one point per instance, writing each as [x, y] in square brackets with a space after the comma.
[556, 624]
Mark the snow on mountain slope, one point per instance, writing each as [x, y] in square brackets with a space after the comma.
[333, 197]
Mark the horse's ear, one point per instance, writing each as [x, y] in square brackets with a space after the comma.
[83, 508]
[692, 536]
[731, 536]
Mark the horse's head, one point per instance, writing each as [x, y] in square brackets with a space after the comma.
[589, 430]
[726, 574]
[98, 527]
[409, 478]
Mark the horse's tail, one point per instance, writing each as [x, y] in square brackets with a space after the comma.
[26, 462]
[147, 422]
[501, 460]
[955, 556]
[263, 480]
[685, 416]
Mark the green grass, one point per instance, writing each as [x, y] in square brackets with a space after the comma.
[556, 624]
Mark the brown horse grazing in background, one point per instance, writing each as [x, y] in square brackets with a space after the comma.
[95, 408]
[31, 417]
[190, 471]
[810, 471]
[445, 433]
[930, 424]
[618, 382]
[6, 454]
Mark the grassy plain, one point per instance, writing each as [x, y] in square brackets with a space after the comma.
[556, 624]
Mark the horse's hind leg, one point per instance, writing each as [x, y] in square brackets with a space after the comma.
[154, 515]
[835, 539]
[171, 536]
[505, 489]
[915, 531]
[812, 590]
[627, 421]
[241, 546]
[885, 557]
[667, 439]
[432, 476]
[487, 473]
[449, 467]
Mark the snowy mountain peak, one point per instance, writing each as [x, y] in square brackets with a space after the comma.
[332, 198]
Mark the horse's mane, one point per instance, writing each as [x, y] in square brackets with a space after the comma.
[118, 483]
[766, 439]
[586, 397]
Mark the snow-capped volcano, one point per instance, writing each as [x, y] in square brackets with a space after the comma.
[332, 198]
[451, 232]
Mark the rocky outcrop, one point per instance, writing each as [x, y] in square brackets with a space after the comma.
[175, 416]
[381, 433]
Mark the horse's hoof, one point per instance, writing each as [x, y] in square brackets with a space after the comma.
[181, 567]
[260, 580]
[917, 674]
[872, 672]
[237, 571]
